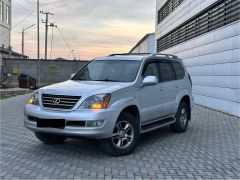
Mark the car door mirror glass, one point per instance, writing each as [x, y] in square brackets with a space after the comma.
[150, 81]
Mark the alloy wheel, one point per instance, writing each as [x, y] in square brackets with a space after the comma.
[183, 117]
[123, 134]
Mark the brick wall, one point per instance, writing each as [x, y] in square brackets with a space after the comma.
[52, 71]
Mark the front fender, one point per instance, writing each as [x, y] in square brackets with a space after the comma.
[121, 104]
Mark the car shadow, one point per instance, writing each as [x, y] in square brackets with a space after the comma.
[73, 148]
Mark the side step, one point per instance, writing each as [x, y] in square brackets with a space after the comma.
[157, 124]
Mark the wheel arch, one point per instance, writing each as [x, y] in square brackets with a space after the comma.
[133, 110]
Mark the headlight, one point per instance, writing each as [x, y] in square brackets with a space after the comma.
[99, 101]
[34, 99]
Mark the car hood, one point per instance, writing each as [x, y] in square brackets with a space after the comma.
[80, 88]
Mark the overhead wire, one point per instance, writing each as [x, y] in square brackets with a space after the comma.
[55, 2]
[66, 43]
[19, 22]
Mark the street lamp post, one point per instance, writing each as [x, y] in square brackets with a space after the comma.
[38, 46]
[23, 31]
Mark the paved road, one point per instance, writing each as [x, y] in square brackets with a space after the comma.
[209, 149]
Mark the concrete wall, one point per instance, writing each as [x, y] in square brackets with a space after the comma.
[52, 71]
[212, 59]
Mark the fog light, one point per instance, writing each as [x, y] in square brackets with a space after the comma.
[97, 123]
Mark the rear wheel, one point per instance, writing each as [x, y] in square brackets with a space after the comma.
[50, 138]
[125, 136]
[182, 118]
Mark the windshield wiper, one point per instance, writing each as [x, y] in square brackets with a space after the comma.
[107, 80]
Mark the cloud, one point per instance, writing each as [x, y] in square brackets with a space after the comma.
[91, 27]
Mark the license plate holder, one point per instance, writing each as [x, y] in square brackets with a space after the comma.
[51, 123]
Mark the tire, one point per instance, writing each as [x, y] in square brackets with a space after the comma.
[50, 139]
[125, 136]
[182, 118]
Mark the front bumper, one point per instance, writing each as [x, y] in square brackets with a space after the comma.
[105, 131]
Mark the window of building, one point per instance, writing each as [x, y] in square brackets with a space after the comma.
[221, 13]
[178, 69]
[166, 72]
[1, 11]
[167, 8]
[8, 14]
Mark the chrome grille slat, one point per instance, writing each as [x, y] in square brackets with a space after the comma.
[68, 99]
[65, 102]
[57, 104]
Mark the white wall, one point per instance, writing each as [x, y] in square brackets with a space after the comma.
[4, 36]
[212, 59]
[182, 13]
[4, 27]
[147, 46]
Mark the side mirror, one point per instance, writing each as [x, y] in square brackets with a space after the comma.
[150, 81]
[72, 75]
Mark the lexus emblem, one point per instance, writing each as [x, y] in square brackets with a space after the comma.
[56, 101]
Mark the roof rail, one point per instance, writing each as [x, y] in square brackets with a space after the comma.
[130, 54]
[166, 55]
[170, 56]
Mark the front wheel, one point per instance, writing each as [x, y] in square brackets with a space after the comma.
[50, 138]
[182, 118]
[125, 136]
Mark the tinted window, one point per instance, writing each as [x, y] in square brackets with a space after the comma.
[179, 70]
[166, 72]
[151, 70]
[109, 70]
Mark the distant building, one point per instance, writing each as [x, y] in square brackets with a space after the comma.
[206, 35]
[5, 23]
[7, 53]
[145, 45]
[5, 31]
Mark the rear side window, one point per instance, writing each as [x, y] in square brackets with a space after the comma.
[166, 72]
[179, 70]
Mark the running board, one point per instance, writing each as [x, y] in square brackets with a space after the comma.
[157, 124]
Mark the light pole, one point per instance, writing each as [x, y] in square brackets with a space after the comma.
[23, 31]
[46, 30]
[38, 46]
[53, 26]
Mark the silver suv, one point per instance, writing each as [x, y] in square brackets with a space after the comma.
[115, 99]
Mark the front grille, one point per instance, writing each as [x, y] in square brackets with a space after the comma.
[59, 101]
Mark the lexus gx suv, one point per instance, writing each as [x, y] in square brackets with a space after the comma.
[114, 99]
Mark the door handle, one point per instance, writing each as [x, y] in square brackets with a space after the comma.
[161, 89]
[176, 86]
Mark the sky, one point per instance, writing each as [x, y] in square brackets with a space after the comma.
[91, 28]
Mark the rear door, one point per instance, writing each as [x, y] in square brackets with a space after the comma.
[167, 87]
[180, 83]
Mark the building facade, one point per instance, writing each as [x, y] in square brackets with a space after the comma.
[5, 23]
[145, 45]
[206, 35]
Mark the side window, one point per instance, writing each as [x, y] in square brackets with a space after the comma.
[179, 70]
[151, 70]
[166, 72]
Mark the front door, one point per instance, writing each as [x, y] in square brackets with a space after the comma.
[150, 97]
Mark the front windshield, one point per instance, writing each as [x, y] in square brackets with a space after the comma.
[109, 70]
